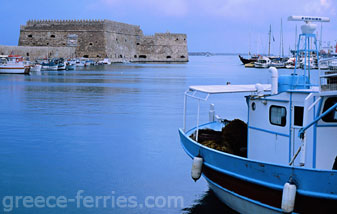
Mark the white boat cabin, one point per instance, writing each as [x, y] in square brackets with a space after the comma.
[289, 122]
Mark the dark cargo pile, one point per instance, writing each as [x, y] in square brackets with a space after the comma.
[231, 139]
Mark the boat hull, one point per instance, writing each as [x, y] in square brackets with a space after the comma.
[15, 70]
[247, 185]
[246, 61]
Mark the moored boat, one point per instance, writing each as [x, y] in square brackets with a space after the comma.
[288, 162]
[250, 60]
[262, 62]
[13, 64]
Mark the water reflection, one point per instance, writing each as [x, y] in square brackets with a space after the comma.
[208, 203]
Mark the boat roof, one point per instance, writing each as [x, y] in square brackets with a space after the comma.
[218, 89]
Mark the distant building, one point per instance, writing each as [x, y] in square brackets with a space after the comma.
[105, 39]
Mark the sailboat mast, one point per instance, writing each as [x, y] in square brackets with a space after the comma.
[269, 40]
[295, 37]
[320, 38]
[282, 39]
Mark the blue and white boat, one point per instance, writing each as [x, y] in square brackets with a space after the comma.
[290, 163]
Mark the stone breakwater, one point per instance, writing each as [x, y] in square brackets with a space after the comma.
[38, 52]
[97, 39]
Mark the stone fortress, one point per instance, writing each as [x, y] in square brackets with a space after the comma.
[98, 39]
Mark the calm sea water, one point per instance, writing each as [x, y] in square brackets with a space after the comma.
[109, 131]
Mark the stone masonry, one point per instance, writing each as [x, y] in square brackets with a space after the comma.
[97, 39]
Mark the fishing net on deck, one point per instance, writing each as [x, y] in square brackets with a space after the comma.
[231, 139]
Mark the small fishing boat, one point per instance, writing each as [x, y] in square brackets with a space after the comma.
[105, 61]
[35, 68]
[49, 65]
[13, 64]
[70, 66]
[283, 159]
[333, 65]
[262, 62]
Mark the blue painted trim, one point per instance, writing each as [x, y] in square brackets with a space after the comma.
[244, 178]
[290, 125]
[315, 135]
[271, 132]
[276, 100]
[327, 125]
[247, 99]
[302, 130]
[304, 92]
[314, 132]
[242, 197]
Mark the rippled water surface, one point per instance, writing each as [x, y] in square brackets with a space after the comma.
[110, 131]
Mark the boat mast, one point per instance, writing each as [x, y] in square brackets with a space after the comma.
[281, 41]
[320, 38]
[295, 37]
[269, 40]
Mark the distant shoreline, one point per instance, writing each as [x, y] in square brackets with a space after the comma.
[214, 54]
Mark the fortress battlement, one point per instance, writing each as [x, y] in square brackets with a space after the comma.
[102, 38]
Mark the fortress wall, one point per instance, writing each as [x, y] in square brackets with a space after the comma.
[104, 38]
[38, 52]
[163, 47]
[121, 40]
[86, 36]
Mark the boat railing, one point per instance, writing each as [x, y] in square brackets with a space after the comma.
[328, 74]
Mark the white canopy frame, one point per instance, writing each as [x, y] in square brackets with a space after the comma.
[207, 90]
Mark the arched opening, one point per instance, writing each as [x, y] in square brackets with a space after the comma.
[30, 36]
[90, 44]
[135, 56]
[52, 36]
[183, 57]
[137, 43]
[177, 39]
[168, 57]
[116, 39]
[120, 56]
[85, 56]
[27, 54]
[142, 56]
[47, 43]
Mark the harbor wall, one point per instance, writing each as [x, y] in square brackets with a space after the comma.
[34, 53]
[163, 47]
[105, 39]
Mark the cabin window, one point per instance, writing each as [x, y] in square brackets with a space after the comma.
[253, 106]
[277, 115]
[332, 116]
[298, 115]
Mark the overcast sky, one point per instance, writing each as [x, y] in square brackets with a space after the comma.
[210, 25]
